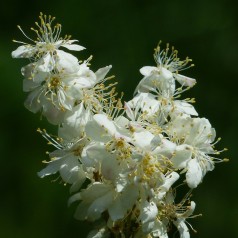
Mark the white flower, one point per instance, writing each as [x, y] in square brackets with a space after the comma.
[156, 108]
[56, 92]
[99, 197]
[65, 160]
[148, 213]
[197, 137]
[159, 229]
[45, 50]
[156, 92]
[130, 160]
[180, 223]
[168, 65]
[169, 180]
[162, 83]
[73, 125]
[146, 102]
[70, 143]
[102, 129]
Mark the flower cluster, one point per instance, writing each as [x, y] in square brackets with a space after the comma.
[124, 162]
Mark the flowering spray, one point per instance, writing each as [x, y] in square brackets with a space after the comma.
[124, 162]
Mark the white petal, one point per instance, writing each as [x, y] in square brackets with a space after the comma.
[185, 107]
[147, 84]
[101, 73]
[169, 181]
[81, 177]
[129, 111]
[27, 71]
[81, 82]
[148, 227]
[194, 173]
[146, 102]
[73, 47]
[109, 167]
[121, 122]
[46, 63]
[96, 132]
[64, 100]
[185, 81]
[143, 139]
[182, 228]
[116, 210]
[74, 198]
[99, 206]
[31, 102]
[107, 124]
[29, 85]
[160, 230]
[74, 123]
[123, 203]
[94, 191]
[52, 168]
[181, 156]
[149, 211]
[101, 233]
[53, 114]
[67, 62]
[147, 70]
[69, 169]
[155, 142]
[165, 148]
[166, 73]
[81, 211]
[121, 183]
[23, 51]
[200, 134]
[33, 73]
[94, 154]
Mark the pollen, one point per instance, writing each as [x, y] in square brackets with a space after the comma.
[168, 58]
[54, 82]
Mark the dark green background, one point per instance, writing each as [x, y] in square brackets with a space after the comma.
[124, 34]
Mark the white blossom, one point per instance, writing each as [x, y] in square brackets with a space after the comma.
[197, 137]
[124, 164]
[45, 50]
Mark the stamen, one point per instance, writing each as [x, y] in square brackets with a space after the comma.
[168, 59]
[25, 34]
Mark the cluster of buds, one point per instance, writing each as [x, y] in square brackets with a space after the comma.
[124, 162]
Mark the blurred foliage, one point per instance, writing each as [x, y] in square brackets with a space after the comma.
[124, 34]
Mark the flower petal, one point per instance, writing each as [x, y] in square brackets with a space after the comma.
[143, 139]
[194, 173]
[107, 124]
[185, 81]
[100, 233]
[99, 206]
[52, 168]
[181, 156]
[185, 107]
[46, 63]
[73, 47]
[24, 51]
[147, 70]
[67, 62]
[123, 203]
[182, 228]
[102, 72]
[149, 211]
[160, 230]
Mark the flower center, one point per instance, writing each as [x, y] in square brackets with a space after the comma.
[54, 82]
